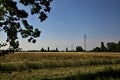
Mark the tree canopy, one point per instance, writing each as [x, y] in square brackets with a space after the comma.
[110, 47]
[12, 19]
[79, 49]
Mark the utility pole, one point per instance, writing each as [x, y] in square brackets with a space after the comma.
[85, 45]
[72, 47]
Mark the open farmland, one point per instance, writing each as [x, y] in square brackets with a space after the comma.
[60, 66]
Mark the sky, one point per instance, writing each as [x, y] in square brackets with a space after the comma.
[69, 20]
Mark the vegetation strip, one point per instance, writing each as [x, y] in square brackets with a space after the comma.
[106, 74]
[68, 73]
[8, 67]
[60, 66]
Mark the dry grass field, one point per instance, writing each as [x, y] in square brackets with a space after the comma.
[60, 66]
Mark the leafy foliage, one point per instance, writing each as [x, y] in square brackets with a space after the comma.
[79, 49]
[97, 49]
[12, 18]
[110, 47]
[103, 48]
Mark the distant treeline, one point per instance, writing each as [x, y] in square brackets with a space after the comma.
[109, 47]
[78, 49]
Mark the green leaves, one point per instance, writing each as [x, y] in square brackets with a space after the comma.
[35, 9]
[12, 18]
[27, 2]
[2, 12]
[36, 33]
[32, 40]
[42, 16]
[22, 14]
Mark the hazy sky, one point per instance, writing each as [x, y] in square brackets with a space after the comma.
[69, 20]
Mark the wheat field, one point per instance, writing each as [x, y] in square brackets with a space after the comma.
[60, 66]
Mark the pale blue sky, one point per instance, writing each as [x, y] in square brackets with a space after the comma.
[69, 20]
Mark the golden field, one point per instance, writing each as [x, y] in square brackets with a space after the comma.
[60, 66]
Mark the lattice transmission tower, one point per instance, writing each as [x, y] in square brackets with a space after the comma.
[85, 43]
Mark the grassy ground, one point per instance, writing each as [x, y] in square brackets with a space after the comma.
[60, 66]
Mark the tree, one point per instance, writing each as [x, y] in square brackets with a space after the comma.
[97, 49]
[12, 18]
[48, 49]
[79, 49]
[67, 50]
[57, 50]
[118, 47]
[43, 50]
[103, 48]
[111, 46]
